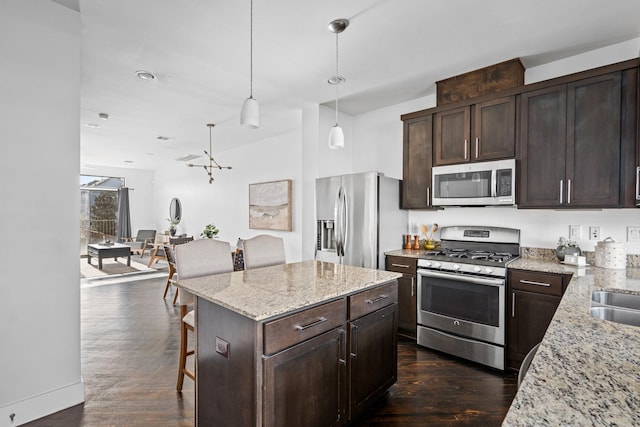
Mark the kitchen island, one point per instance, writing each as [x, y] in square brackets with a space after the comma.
[586, 370]
[307, 343]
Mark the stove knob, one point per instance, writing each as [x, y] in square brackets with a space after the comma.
[437, 265]
[455, 267]
[477, 269]
[488, 270]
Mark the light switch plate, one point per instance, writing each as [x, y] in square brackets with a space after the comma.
[633, 233]
[575, 232]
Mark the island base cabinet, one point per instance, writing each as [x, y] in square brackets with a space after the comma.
[304, 385]
[373, 354]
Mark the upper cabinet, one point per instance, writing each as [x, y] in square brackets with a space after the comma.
[478, 132]
[416, 167]
[574, 141]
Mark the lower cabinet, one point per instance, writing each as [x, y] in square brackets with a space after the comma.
[373, 357]
[304, 385]
[532, 301]
[407, 292]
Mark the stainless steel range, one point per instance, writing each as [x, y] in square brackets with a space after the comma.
[461, 292]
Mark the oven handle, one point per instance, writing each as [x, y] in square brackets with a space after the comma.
[461, 278]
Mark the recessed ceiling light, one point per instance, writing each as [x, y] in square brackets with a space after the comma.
[145, 75]
[187, 157]
[92, 125]
[165, 138]
[103, 116]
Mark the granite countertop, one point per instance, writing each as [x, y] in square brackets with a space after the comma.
[587, 370]
[266, 292]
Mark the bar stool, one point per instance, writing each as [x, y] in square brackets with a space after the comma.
[194, 259]
[263, 250]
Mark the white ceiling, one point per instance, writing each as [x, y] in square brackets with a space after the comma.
[393, 51]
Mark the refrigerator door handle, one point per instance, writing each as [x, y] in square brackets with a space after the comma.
[345, 224]
[336, 221]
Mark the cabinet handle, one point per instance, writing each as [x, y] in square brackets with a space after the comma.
[354, 341]
[378, 299]
[477, 147]
[429, 195]
[466, 142]
[400, 265]
[343, 350]
[561, 188]
[530, 282]
[310, 325]
[413, 287]
[637, 182]
[568, 191]
[513, 304]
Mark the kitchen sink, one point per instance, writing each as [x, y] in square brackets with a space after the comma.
[618, 315]
[616, 299]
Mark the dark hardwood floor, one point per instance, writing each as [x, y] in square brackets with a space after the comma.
[129, 346]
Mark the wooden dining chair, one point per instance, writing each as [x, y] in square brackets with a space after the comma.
[170, 255]
[195, 259]
[263, 250]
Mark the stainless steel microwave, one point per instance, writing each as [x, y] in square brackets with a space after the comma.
[475, 184]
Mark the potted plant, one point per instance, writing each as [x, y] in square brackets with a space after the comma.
[567, 247]
[210, 231]
[173, 226]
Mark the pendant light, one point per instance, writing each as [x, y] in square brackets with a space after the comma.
[250, 113]
[212, 163]
[336, 136]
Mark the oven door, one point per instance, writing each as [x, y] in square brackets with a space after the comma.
[464, 305]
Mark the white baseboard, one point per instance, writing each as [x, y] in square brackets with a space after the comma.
[41, 405]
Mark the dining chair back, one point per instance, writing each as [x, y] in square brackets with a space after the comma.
[195, 259]
[170, 255]
[263, 250]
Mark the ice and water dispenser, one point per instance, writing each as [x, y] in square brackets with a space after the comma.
[325, 239]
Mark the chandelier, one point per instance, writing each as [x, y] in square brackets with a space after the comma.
[212, 163]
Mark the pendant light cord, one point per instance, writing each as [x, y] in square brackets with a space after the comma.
[338, 77]
[251, 54]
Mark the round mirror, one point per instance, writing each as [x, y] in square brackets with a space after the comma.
[175, 210]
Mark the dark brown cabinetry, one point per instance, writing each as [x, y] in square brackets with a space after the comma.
[533, 298]
[318, 366]
[574, 141]
[478, 132]
[416, 167]
[407, 292]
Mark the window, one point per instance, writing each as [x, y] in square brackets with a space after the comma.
[98, 209]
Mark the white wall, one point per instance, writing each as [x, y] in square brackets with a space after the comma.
[226, 202]
[39, 166]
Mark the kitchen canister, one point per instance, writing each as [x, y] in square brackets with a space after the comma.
[611, 254]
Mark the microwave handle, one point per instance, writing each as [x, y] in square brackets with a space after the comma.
[637, 183]
[494, 183]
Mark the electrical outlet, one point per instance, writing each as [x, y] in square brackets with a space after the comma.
[633, 234]
[575, 232]
[594, 232]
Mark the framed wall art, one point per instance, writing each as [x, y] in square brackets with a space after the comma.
[270, 205]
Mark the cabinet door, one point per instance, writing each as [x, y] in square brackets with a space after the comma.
[452, 135]
[593, 142]
[407, 305]
[528, 319]
[494, 135]
[304, 385]
[373, 357]
[543, 147]
[417, 162]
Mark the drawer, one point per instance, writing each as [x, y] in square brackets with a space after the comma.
[401, 264]
[372, 299]
[538, 282]
[295, 328]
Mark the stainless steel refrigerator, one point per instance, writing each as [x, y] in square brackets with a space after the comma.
[358, 219]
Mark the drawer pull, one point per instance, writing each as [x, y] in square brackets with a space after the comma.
[378, 299]
[400, 265]
[311, 325]
[530, 282]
